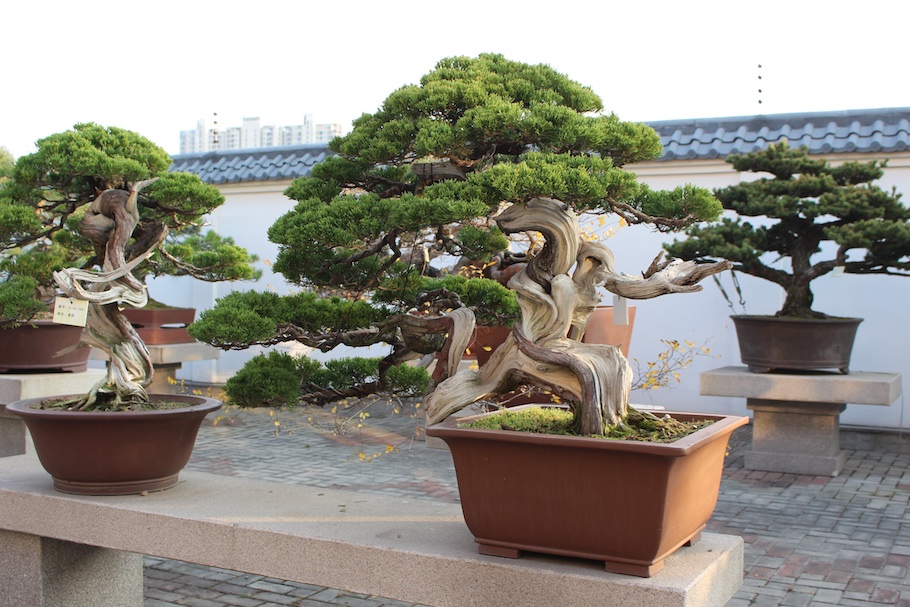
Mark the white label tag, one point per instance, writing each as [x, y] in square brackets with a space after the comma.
[837, 271]
[620, 310]
[69, 311]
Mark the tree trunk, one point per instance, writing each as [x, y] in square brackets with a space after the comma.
[594, 378]
[109, 224]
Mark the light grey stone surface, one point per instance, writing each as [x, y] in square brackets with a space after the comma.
[414, 550]
[19, 386]
[861, 388]
[796, 416]
[43, 572]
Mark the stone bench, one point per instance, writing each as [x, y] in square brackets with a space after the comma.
[57, 549]
[796, 416]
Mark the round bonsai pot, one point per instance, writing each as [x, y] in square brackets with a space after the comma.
[627, 503]
[117, 453]
[33, 347]
[767, 343]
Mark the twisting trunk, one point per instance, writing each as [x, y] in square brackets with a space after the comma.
[595, 379]
[109, 224]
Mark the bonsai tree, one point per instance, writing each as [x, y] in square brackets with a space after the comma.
[820, 217]
[6, 164]
[88, 211]
[484, 165]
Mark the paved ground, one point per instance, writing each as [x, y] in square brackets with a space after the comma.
[810, 541]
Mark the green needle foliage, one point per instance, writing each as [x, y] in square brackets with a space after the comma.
[46, 195]
[803, 204]
[410, 199]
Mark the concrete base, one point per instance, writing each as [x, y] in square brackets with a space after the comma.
[42, 572]
[18, 386]
[796, 423]
[795, 437]
[417, 551]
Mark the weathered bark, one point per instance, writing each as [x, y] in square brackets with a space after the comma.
[109, 224]
[545, 348]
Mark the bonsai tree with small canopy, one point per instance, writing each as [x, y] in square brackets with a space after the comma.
[481, 150]
[96, 197]
[818, 216]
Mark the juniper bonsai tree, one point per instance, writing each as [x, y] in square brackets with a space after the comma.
[92, 212]
[482, 153]
[818, 216]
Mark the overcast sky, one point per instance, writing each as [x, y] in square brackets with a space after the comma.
[158, 67]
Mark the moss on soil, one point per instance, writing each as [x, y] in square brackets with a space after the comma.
[639, 425]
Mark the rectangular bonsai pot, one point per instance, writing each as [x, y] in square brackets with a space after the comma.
[627, 503]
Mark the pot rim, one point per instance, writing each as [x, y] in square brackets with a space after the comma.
[449, 428]
[795, 319]
[24, 408]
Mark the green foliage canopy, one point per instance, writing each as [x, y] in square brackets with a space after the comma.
[418, 184]
[48, 191]
[804, 203]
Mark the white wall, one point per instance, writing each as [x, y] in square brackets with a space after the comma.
[882, 301]
[249, 211]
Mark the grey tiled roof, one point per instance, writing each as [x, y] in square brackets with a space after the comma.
[263, 164]
[852, 131]
[876, 130]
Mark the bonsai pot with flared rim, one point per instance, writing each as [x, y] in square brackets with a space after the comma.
[42, 346]
[160, 326]
[627, 503]
[769, 343]
[602, 330]
[486, 340]
[115, 453]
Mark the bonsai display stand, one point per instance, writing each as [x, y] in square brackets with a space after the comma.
[796, 416]
[85, 551]
[19, 386]
[167, 360]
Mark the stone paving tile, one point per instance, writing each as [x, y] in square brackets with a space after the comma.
[809, 541]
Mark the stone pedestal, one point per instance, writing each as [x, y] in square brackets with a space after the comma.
[795, 437]
[167, 360]
[43, 572]
[796, 423]
[18, 386]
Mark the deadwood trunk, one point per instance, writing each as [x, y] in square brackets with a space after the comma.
[595, 379]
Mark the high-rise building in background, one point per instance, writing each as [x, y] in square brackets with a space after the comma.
[252, 135]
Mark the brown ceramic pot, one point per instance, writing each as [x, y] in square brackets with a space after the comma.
[769, 342]
[115, 453]
[601, 330]
[627, 503]
[486, 340]
[34, 347]
[159, 326]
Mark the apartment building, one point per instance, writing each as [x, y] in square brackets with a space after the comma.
[253, 135]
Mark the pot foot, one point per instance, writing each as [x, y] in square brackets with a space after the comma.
[503, 551]
[632, 569]
[115, 488]
[693, 540]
